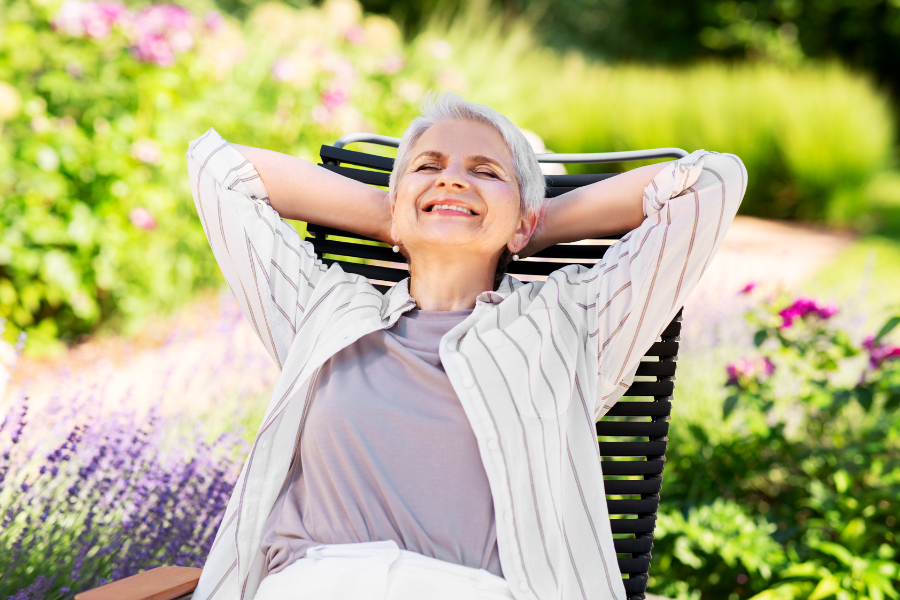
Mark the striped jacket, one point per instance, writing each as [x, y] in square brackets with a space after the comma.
[535, 365]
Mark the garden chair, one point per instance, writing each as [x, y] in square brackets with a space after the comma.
[632, 435]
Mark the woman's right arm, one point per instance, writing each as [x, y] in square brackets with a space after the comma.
[302, 191]
[270, 270]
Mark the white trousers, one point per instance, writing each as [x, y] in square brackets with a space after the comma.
[378, 571]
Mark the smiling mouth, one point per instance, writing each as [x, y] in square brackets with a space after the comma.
[453, 207]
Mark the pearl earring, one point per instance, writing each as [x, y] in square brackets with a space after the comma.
[396, 248]
[515, 257]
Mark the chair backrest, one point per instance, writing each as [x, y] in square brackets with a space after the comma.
[634, 433]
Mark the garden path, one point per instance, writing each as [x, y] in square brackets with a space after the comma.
[207, 354]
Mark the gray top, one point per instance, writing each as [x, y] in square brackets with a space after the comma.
[387, 453]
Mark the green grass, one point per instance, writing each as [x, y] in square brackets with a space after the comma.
[812, 138]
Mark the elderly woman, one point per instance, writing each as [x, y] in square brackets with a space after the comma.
[438, 441]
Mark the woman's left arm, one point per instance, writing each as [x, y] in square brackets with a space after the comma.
[604, 208]
[684, 211]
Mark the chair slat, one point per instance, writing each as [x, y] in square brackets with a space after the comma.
[632, 507]
[633, 545]
[360, 159]
[633, 467]
[663, 349]
[576, 181]
[635, 586]
[371, 271]
[656, 369]
[672, 329]
[573, 251]
[321, 231]
[644, 525]
[660, 408]
[370, 177]
[632, 448]
[632, 428]
[634, 565]
[358, 250]
[631, 487]
[651, 388]
[527, 267]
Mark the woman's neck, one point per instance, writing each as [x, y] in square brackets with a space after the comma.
[450, 282]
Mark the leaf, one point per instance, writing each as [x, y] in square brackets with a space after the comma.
[864, 396]
[729, 406]
[835, 550]
[887, 327]
[828, 586]
[760, 337]
[893, 400]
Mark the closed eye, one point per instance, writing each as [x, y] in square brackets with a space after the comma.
[489, 173]
[426, 167]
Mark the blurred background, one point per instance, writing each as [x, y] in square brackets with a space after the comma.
[119, 348]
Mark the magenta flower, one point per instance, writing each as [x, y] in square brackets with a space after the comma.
[879, 352]
[143, 218]
[805, 306]
[749, 287]
[757, 368]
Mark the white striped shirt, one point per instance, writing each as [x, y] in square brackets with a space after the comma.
[535, 365]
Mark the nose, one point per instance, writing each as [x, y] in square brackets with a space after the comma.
[453, 176]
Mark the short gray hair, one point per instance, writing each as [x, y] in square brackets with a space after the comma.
[437, 107]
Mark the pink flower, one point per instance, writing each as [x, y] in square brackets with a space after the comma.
[392, 64]
[805, 306]
[213, 20]
[756, 368]
[334, 98]
[879, 352]
[162, 31]
[155, 49]
[143, 218]
[146, 151]
[356, 35]
[94, 19]
[283, 70]
[749, 287]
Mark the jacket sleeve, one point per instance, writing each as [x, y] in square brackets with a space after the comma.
[271, 272]
[645, 278]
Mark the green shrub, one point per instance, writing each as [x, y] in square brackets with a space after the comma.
[97, 225]
[809, 453]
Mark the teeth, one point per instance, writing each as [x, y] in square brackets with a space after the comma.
[452, 207]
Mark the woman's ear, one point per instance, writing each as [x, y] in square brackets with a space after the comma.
[524, 230]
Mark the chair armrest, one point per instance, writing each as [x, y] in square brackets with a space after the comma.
[162, 583]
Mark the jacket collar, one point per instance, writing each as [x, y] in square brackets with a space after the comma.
[397, 299]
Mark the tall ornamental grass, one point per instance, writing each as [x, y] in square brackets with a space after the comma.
[811, 137]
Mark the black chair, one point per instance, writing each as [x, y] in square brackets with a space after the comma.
[633, 434]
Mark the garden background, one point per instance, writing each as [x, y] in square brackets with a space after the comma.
[783, 470]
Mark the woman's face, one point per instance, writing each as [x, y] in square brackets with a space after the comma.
[459, 193]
